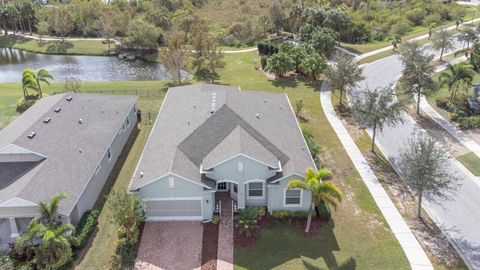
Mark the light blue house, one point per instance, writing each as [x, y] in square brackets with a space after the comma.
[209, 139]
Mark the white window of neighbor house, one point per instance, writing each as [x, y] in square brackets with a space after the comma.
[240, 167]
[171, 182]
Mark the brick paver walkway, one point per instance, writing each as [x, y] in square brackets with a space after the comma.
[225, 233]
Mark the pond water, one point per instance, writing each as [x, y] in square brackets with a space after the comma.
[77, 67]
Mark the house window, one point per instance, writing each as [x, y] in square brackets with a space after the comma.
[222, 186]
[109, 154]
[293, 197]
[235, 188]
[171, 182]
[123, 126]
[255, 190]
[134, 109]
[128, 122]
[240, 167]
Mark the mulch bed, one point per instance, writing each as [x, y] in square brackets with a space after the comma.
[209, 246]
[241, 241]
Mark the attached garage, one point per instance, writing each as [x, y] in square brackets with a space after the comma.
[174, 209]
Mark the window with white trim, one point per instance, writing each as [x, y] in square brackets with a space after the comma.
[109, 154]
[222, 186]
[235, 188]
[171, 182]
[293, 197]
[255, 189]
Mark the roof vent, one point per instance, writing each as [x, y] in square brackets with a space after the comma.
[80, 151]
[213, 105]
[31, 135]
[69, 98]
[47, 120]
[80, 121]
[257, 115]
[58, 109]
[194, 107]
[141, 174]
[188, 124]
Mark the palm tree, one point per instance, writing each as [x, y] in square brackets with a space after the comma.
[42, 75]
[443, 41]
[323, 192]
[455, 74]
[28, 82]
[49, 210]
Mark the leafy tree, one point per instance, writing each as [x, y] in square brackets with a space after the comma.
[376, 108]
[416, 79]
[344, 74]
[306, 32]
[174, 56]
[142, 34]
[86, 14]
[323, 41]
[296, 52]
[468, 35]
[277, 16]
[475, 54]
[454, 75]
[443, 40]
[313, 65]
[425, 167]
[265, 23]
[107, 26]
[279, 64]
[43, 28]
[323, 192]
[207, 57]
[62, 19]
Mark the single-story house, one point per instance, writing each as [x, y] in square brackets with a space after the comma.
[212, 138]
[64, 143]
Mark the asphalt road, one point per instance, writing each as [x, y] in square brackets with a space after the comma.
[459, 216]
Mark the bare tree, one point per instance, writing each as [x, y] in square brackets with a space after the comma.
[174, 56]
[376, 108]
[424, 165]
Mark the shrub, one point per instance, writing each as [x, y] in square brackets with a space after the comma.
[281, 214]
[6, 263]
[300, 214]
[216, 219]
[454, 116]
[468, 122]
[263, 62]
[247, 220]
[442, 102]
[260, 210]
[139, 115]
[87, 223]
[323, 211]
[23, 105]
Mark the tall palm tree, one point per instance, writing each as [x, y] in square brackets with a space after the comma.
[48, 210]
[461, 72]
[443, 41]
[42, 75]
[323, 192]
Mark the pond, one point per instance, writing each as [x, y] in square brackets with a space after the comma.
[77, 67]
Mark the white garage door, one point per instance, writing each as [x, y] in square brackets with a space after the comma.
[176, 209]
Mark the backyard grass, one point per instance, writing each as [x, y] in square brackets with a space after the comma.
[77, 47]
[471, 162]
[358, 234]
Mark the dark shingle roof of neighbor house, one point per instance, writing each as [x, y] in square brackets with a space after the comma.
[72, 149]
[187, 136]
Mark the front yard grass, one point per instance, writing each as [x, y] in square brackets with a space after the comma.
[358, 236]
[471, 162]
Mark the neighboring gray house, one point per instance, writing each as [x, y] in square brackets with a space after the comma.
[212, 138]
[64, 143]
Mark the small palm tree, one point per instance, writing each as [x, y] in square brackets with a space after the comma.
[323, 192]
[28, 82]
[48, 210]
[455, 74]
[43, 75]
[34, 79]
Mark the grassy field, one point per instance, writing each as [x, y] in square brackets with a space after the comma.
[471, 162]
[77, 47]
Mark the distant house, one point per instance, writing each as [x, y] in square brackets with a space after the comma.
[212, 138]
[64, 143]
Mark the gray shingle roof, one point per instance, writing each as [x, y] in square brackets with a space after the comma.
[187, 135]
[73, 150]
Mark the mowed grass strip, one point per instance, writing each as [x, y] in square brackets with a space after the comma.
[471, 162]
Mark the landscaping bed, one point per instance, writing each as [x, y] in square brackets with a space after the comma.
[209, 246]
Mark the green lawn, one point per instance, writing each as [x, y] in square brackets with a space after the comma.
[471, 162]
[80, 47]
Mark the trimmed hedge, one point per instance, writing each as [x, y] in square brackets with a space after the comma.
[88, 222]
[284, 214]
[469, 122]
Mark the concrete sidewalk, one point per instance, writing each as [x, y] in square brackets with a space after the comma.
[413, 251]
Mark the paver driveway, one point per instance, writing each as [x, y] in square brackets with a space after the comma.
[170, 245]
